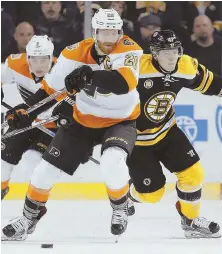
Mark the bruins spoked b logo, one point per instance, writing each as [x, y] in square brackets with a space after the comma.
[157, 107]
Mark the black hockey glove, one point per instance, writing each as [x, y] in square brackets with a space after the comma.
[18, 117]
[65, 111]
[78, 78]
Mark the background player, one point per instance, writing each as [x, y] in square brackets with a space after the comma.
[26, 71]
[162, 75]
[104, 71]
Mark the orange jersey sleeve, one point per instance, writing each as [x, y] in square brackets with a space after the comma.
[15, 63]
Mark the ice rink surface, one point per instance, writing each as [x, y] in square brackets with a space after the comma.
[83, 227]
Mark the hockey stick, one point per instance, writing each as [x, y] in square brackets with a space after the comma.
[39, 104]
[42, 128]
[4, 104]
[35, 125]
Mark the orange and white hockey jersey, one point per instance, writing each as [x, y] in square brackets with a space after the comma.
[99, 109]
[16, 70]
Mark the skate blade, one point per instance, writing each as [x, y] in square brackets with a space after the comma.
[13, 239]
[196, 234]
[4, 238]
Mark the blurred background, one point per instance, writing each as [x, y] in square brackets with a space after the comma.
[197, 23]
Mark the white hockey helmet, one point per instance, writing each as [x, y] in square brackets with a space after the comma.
[107, 19]
[40, 45]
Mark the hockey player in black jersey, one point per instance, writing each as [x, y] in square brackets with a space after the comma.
[162, 75]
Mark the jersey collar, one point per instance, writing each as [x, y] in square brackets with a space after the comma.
[98, 59]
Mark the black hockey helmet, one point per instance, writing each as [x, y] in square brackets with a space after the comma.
[165, 39]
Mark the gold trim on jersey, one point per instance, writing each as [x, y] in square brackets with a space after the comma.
[156, 129]
[203, 82]
[208, 83]
[153, 136]
[150, 131]
[156, 140]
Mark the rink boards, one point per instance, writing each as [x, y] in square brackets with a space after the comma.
[97, 191]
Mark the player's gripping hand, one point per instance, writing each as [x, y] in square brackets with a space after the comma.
[65, 111]
[18, 117]
[78, 78]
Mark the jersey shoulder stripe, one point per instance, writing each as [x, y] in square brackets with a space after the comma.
[80, 52]
[126, 44]
[18, 63]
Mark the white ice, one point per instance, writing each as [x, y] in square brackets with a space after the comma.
[83, 227]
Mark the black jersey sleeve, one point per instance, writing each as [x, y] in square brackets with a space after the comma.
[206, 81]
[111, 81]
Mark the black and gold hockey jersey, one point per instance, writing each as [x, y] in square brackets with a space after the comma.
[158, 92]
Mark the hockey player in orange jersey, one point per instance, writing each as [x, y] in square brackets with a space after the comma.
[162, 75]
[26, 71]
[104, 72]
